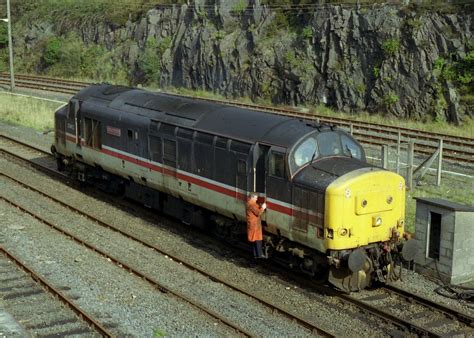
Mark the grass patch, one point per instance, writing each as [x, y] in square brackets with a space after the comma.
[26, 111]
[453, 188]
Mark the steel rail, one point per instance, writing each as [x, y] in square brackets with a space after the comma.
[46, 87]
[412, 327]
[162, 288]
[276, 308]
[407, 133]
[94, 324]
[24, 144]
[323, 289]
[446, 310]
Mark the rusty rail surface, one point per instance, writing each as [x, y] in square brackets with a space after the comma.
[295, 317]
[94, 324]
[456, 148]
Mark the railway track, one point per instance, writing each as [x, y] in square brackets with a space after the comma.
[458, 149]
[383, 312]
[47, 167]
[23, 289]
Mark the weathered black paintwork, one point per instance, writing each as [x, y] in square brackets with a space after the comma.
[322, 172]
[219, 142]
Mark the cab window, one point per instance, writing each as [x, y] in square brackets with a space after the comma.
[329, 144]
[350, 147]
[306, 151]
[277, 165]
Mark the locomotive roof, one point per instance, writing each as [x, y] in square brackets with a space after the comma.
[230, 121]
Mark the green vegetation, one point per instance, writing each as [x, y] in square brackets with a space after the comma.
[27, 111]
[240, 6]
[159, 333]
[70, 13]
[390, 47]
[461, 72]
[414, 23]
[307, 32]
[52, 51]
[390, 99]
[219, 35]
[376, 71]
[69, 57]
[3, 35]
[150, 61]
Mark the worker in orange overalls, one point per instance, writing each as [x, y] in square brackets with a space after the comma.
[254, 224]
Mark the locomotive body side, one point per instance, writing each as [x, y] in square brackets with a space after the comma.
[199, 162]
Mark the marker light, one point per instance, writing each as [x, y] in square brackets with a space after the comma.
[376, 221]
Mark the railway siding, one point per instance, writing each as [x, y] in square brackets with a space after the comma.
[453, 331]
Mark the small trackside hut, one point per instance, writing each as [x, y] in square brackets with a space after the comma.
[444, 231]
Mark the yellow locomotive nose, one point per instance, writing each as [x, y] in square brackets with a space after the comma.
[364, 207]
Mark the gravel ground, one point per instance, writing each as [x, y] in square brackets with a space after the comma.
[124, 301]
[222, 262]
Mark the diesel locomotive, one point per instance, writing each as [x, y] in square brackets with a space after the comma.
[329, 211]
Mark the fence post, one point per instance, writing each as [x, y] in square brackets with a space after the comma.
[352, 129]
[410, 154]
[440, 163]
[385, 156]
[399, 141]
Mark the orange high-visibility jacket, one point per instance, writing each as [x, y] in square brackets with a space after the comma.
[254, 225]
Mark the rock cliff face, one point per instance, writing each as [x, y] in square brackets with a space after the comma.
[377, 58]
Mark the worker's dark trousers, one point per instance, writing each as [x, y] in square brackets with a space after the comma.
[257, 249]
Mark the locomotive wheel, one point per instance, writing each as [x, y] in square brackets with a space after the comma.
[348, 281]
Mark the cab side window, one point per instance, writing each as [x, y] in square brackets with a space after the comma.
[277, 165]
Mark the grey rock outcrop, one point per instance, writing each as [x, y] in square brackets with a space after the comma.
[378, 58]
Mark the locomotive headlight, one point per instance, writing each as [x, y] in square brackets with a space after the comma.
[348, 193]
[376, 221]
[343, 232]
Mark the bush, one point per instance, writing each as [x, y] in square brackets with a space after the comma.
[52, 51]
[460, 72]
[307, 32]
[149, 62]
[390, 99]
[391, 46]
